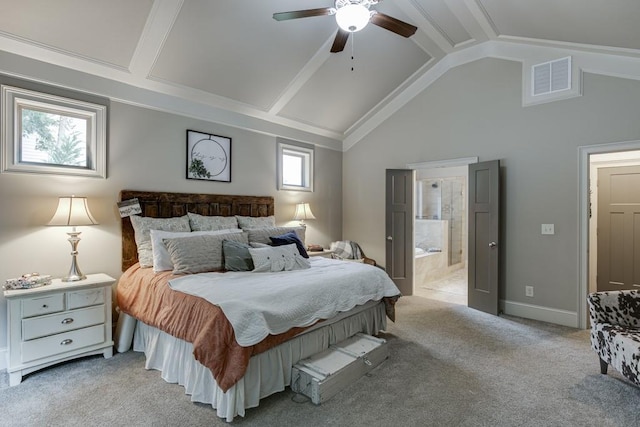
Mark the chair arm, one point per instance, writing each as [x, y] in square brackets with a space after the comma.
[615, 307]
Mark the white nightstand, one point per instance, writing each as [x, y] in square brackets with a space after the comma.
[58, 322]
[326, 253]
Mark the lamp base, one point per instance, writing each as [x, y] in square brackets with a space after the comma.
[74, 272]
[74, 278]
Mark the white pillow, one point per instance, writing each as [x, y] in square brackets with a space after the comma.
[161, 257]
[278, 258]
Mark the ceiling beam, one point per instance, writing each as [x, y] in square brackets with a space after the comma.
[303, 76]
[468, 21]
[425, 24]
[156, 30]
[482, 18]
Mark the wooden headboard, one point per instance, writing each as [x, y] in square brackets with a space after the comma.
[166, 205]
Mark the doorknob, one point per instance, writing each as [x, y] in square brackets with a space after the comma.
[389, 238]
[492, 245]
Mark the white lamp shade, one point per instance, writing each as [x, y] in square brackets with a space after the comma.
[303, 212]
[353, 17]
[72, 211]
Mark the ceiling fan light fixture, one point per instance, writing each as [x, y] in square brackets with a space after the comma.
[353, 17]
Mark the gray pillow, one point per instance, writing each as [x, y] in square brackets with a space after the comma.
[199, 254]
[278, 258]
[236, 256]
[247, 222]
[142, 227]
[211, 223]
[261, 235]
[161, 257]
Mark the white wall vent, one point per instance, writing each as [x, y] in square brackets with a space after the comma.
[550, 77]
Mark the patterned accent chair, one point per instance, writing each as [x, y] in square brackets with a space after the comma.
[615, 331]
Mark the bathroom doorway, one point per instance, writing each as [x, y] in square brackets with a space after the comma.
[440, 231]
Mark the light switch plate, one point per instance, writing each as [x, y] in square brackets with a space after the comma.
[548, 229]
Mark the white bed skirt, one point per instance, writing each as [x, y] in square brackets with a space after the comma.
[267, 373]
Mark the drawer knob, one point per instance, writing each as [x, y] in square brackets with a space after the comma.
[45, 306]
[66, 342]
[67, 321]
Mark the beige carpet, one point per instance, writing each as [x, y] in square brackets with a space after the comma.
[449, 366]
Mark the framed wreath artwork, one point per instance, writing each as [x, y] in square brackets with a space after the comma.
[208, 157]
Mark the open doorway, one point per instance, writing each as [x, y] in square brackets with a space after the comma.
[597, 164]
[591, 159]
[441, 230]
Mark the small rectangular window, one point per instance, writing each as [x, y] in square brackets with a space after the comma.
[49, 134]
[295, 166]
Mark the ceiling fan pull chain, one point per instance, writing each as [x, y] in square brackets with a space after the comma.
[353, 42]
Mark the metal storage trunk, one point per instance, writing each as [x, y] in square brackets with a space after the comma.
[323, 375]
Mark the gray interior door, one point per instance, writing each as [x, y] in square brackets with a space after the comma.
[484, 243]
[618, 228]
[399, 228]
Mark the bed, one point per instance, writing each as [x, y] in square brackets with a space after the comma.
[196, 341]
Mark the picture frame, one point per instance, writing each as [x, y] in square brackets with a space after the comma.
[208, 157]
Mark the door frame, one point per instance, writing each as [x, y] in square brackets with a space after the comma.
[584, 153]
[449, 163]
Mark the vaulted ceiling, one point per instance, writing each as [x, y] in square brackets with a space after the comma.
[231, 55]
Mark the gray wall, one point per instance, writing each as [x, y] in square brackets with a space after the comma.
[476, 110]
[146, 151]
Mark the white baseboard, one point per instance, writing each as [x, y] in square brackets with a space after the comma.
[3, 359]
[536, 312]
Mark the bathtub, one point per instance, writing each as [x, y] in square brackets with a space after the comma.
[430, 266]
[420, 252]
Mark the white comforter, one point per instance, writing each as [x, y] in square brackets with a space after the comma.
[259, 304]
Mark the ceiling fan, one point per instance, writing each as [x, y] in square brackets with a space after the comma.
[352, 16]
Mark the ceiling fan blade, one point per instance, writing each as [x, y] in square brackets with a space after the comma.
[340, 41]
[295, 14]
[392, 24]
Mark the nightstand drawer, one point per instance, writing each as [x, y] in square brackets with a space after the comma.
[42, 305]
[58, 322]
[62, 343]
[42, 326]
[85, 298]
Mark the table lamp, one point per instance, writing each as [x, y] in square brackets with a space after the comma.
[73, 211]
[303, 212]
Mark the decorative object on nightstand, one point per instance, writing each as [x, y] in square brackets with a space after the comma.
[58, 322]
[324, 253]
[28, 281]
[303, 212]
[73, 211]
[349, 251]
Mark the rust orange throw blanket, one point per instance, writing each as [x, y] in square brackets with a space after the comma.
[146, 295]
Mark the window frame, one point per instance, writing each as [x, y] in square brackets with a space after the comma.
[14, 99]
[306, 153]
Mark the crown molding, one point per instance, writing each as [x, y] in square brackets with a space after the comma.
[594, 62]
